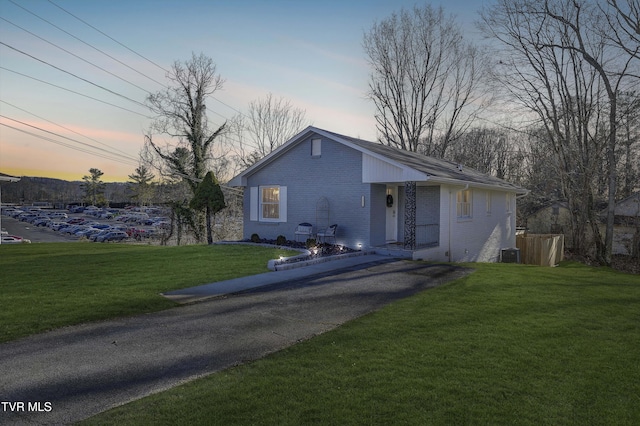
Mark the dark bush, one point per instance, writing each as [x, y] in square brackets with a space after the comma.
[311, 242]
[281, 240]
[255, 238]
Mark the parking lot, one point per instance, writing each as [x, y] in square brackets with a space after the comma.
[92, 224]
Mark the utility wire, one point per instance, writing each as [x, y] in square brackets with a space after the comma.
[118, 157]
[124, 154]
[74, 92]
[84, 42]
[109, 37]
[76, 56]
[116, 41]
[136, 53]
[72, 74]
[65, 144]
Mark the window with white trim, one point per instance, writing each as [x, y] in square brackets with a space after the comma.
[268, 203]
[463, 204]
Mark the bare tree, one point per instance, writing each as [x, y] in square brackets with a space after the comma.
[623, 29]
[575, 17]
[181, 115]
[629, 136]
[269, 123]
[562, 69]
[425, 79]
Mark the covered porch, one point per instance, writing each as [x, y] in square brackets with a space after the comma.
[412, 219]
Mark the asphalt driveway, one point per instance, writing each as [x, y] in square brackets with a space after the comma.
[73, 373]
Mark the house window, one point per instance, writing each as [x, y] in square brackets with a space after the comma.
[488, 203]
[316, 147]
[463, 205]
[270, 203]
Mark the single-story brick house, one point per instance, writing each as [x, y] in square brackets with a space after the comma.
[381, 198]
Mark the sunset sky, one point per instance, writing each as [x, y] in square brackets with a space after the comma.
[56, 122]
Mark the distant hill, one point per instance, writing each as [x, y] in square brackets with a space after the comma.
[58, 192]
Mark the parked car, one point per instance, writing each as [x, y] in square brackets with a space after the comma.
[71, 229]
[56, 226]
[26, 216]
[112, 236]
[13, 239]
[42, 221]
[87, 233]
[94, 237]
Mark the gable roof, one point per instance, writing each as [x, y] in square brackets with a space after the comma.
[419, 167]
[629, 207]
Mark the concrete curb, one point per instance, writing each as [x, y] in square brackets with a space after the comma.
[293, 262]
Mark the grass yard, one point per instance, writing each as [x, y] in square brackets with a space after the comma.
[509, 344]
[50, 285]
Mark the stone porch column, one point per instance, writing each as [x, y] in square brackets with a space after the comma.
[410, 215]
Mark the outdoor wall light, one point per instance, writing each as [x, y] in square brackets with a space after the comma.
[362, 201]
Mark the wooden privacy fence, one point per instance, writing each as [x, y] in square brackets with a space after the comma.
[540, 249]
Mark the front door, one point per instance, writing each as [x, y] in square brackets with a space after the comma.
[392, 214]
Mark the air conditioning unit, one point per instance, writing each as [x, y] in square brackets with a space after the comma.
[510, 255]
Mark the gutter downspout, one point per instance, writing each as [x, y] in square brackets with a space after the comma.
[451, 210]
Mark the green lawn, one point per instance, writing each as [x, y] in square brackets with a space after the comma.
[508, 344]
[45, 286]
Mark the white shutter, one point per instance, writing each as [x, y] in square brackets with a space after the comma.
[283, 204]
[254, 203]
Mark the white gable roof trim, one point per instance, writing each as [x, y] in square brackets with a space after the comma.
[376, 170]
[383, 164]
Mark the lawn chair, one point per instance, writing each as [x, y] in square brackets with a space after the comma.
[328, 233]
[304, 229]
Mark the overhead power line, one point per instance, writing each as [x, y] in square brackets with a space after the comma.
[84, 42]
[76, 93]
[108, 36]
[76, 56]
[111, 155]
[246, 143]
[66, 144]
[68, 129]
[138, 54]
[72, 74]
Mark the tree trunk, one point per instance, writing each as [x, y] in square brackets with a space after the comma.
[209, 228]
[613, 175]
